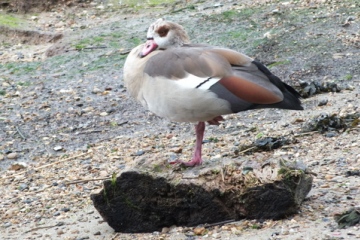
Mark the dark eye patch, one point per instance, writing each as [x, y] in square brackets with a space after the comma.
[163, 31]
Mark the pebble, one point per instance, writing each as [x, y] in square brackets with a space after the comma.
[83, 238]
[82, 219]
[88, 109]
[216, 157]
[60, 24]
[328, 177]
[1, 157]
[233, 134]
[172, 158]
[199, 230]
[177, 150]
[9, 213]
[12, 155]
[65, 209]
[7, 224]
[322, 102]
[58, 148]
[331, 134]
[27, 201]
[96, 90]
[20, 55]
[23, 186]
[139, 153]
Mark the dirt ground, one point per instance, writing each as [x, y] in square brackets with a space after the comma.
[67, 122]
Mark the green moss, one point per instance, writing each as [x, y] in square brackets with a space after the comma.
[139, 4]
[213, 139]
[79, 47]
[259, 135]
[114, 44]
[98, 39]
[116, 34]
[237, 15]
[290, 176]
[241, 35]
[86, 42]
[157, 2]
[135, 41]
[256, 226]
[104, 62]
[113, 180]
[355, 122]
[228, 14]
[148, 2]
[9, 21]
[19, 68]
[348, 77]
[157, 168]
[278, 63]
[114, 124]
[24, 84]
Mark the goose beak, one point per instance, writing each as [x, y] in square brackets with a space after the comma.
[150, 46]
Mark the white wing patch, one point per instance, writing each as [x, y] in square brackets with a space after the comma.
[192, 81]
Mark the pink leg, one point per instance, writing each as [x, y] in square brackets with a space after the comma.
[196, 160]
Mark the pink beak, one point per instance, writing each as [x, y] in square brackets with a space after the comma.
[150, 46]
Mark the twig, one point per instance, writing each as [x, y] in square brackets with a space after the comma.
[45, 227]
[38, 191]
[305, 133]
[20, 133]
[125, 52]
[179, 10]
[48, 165]
[287, 146]
[222, 174]
[219, 223]
[87, 48]
[96, 47]
[90, 131]
[122, 123]
[353, 128]
[87, 180]
[246, 150]
[115, 236]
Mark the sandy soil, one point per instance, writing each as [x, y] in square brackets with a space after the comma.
[67, 122]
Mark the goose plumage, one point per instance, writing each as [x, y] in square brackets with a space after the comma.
[186, 82]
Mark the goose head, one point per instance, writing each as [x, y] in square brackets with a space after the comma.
[163, 35]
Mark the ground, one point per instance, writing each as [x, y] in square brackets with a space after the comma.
[67, 122]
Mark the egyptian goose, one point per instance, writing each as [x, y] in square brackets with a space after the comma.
[187, 82]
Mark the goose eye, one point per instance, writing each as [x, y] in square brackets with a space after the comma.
[163, 31]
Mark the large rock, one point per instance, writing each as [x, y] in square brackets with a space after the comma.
[155, 196]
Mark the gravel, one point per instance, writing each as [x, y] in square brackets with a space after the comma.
[67, 122]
